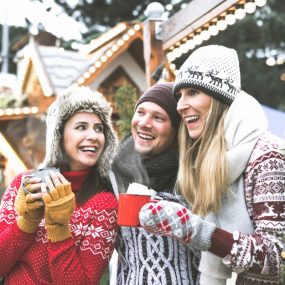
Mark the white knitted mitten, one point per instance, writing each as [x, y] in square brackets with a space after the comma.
[172, 219]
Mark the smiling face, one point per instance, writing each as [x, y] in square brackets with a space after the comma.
[152, 130]
[193, 106]
[83, 140]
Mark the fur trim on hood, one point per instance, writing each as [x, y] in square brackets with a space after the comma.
[74, 100]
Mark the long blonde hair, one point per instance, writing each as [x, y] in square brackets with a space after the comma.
[202, 175]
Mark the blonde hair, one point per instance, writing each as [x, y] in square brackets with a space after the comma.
[202, 175]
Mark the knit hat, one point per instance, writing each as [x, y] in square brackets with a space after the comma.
[213, 69]
[73, 100]
[161, 94]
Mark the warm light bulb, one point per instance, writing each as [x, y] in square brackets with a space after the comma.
[177, 53]
[221, 24]
[280, 59]
[271, 61]
[240, 13]
[184, 48]
[250, 7]
[230, 19]
[205, 35]
[213, 30]
[115, 47]
[197, 39]
[190, 44]
[260, 3]
[170, 56]
[172, 66]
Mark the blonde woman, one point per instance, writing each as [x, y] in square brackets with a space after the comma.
[231, 172]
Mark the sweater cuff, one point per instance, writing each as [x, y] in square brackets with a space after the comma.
[222, 243]
[26, 225]
[58, 232]
[201, 239]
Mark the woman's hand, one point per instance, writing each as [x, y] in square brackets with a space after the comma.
[59, 206]
[29, 204]
[174, 220]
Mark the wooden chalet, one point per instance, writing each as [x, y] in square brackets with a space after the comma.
[129, 53]
[44, 71]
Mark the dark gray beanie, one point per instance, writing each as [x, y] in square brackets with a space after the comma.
[161, 94]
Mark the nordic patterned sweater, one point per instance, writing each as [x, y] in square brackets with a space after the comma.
[256, 257]
[82, 259]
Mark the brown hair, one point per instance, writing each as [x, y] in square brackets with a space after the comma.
[93, 183]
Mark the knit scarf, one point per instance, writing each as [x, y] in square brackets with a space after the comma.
[76, 178]
[145, 258]
[158, 173]
[245, 122]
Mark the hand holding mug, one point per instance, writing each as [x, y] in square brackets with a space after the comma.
[59, 206]
[29, 204]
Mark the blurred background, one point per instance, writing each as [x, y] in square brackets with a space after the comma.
[120, 48]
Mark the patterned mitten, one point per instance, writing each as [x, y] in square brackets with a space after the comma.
[30, 211]
[174, 220]
[60, 204]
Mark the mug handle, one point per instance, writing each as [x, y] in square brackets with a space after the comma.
[156, 199]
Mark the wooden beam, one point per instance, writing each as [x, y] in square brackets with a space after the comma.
[6, 118]
[153, 53]
[195, 15]
[10, 153]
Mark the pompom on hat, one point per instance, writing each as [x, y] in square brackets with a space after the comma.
[73, 100]
[161, 94]
[213, 69]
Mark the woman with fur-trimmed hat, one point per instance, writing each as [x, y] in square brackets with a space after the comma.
[231, 172]
[62, 229]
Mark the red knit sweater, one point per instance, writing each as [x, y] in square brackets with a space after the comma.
[82, 259]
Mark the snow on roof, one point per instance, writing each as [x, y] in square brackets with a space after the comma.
[62, 66]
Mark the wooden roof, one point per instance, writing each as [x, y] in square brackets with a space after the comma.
[103, 50]
[55, 68]
[45, 71]
[58, 69]
[192, 18]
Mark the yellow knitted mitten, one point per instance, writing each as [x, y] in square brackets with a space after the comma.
[59, 206]
[30, 211]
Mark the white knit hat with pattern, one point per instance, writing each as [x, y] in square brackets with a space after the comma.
[213, 69]
[73, 100]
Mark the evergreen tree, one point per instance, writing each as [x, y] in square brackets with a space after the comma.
[125, 99]
[255, 38]
[110, 12]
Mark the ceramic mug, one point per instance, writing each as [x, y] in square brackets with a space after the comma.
[131, 202]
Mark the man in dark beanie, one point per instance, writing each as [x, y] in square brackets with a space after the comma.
[160, 94]
[149, 155]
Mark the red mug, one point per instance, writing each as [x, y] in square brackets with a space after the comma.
[129, 208]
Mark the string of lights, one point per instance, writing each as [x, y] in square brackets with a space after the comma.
[212, 28]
